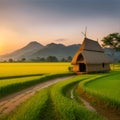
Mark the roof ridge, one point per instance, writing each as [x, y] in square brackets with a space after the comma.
[91, 45]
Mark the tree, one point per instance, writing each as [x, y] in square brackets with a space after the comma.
[63, 60]
[10, 60]
[69, 58]
[23, 59]
[51, 59]
[42, 59]
[112, 41]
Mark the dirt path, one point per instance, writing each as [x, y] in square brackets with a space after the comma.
[102, 109]
[86, 104]
[9, 103]
[107, 113]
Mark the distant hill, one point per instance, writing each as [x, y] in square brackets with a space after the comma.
[114, 55]
[34, 50]
[58, 50]
[24, 52]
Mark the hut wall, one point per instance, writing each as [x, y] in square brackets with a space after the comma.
[76, 68]
[98, 67]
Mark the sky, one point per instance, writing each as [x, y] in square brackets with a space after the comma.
[58, 21]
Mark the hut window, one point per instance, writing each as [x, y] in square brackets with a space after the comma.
[103, 65]
[80, 58]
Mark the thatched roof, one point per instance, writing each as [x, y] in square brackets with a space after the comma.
[91, 45]
[91, 52]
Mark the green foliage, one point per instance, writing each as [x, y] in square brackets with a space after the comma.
[67, 108]
[70, 68]
[69, 58]
[31, 109]
[105, 88]
[112, 40]
[53, 104]
[10, 60]
[51, 59]
[9, 86]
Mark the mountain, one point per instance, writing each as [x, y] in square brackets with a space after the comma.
[35, 50]
[58, 50]
[24, 52]
[115, 55]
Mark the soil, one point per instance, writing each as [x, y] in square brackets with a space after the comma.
[109, 112]
[86, 104]
[11, 102]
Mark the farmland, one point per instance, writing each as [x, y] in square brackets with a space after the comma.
[17, 76]
[18, 69]
[55, 102]
[105, 88]
[8, 86]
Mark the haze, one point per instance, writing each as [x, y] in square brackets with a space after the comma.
[59, 21]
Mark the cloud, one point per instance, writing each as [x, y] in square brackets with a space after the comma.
[60, 39]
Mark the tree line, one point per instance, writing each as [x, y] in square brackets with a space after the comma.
[41, 59]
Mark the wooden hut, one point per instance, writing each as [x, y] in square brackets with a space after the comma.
[90, 58]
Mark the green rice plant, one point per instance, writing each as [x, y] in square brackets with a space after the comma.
[105, 88]
[67, 108]
[9, 86]
[38, 107]
[52, 104]
[31, 109]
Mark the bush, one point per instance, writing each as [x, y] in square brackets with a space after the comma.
[70, 68]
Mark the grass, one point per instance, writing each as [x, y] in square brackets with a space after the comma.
[115, 67]
[54, 104]
[18, 69]
[105, 87]
[30, 110]
[67, 108]
[17, 76]
[8, 86]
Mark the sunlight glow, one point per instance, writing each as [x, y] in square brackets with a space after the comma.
[1, 45]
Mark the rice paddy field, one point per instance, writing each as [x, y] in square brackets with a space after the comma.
[17, 76]
[53, 103]
[106, 88]
[60, 101]
[18, 69]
